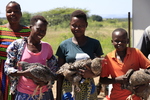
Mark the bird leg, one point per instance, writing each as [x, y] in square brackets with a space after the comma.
[77, 88]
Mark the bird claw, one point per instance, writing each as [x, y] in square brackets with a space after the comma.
[77, 89]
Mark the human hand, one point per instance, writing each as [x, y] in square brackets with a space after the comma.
[123, 80]
[86, 73]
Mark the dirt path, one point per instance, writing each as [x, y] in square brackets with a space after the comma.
[100, 96]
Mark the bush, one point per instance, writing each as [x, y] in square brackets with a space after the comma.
[96, 18]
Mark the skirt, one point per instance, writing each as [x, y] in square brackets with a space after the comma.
[4, 85]
[87, 90]
[46, 96]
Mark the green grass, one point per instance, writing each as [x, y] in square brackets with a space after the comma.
[98, 30]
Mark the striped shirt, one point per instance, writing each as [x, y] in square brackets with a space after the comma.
[7, 36]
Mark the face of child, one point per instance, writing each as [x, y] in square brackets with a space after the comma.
[120, 40]
[78, 26]
[13, 13]
[38, 30]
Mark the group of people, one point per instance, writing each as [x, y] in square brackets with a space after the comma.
[22, 43]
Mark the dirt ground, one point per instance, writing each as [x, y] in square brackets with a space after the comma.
[99, 97]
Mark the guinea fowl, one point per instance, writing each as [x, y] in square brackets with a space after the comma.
[71, 70]
[39, 71]
[139, 78]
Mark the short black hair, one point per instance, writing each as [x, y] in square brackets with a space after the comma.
[15, 3]
[79, 14]
[121, 30]
[34, 19]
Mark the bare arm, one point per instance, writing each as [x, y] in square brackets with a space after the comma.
[27, 73]
[22, 73]
[59, 80]
[119, 79]
[105, 80]
[19, 73]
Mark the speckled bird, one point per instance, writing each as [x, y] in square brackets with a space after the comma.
[139, 78]
[39, 71]
[71, 70]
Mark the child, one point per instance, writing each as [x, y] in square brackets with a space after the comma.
[119, 62]
[32, 50]
[78, 47]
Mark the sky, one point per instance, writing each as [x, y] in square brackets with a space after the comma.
[104, 8]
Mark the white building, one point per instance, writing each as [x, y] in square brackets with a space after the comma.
[140, 19]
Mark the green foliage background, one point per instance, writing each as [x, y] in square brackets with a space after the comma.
[98, 30]
[59, 30]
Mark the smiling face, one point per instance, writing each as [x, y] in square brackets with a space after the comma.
[13, 13]
[38, 30]
[78, 26]
[120, 40]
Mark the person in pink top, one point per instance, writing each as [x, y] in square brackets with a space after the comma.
[118, 62]
[32, 50]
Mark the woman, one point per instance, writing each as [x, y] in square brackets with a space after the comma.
[31, 50]
[10, 32]
[76, 48]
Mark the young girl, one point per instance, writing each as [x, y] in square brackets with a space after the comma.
[76, 48]
[32, 50]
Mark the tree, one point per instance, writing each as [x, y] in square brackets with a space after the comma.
[25, 20]
[1, 21]
[58, 15]
[96, 18]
